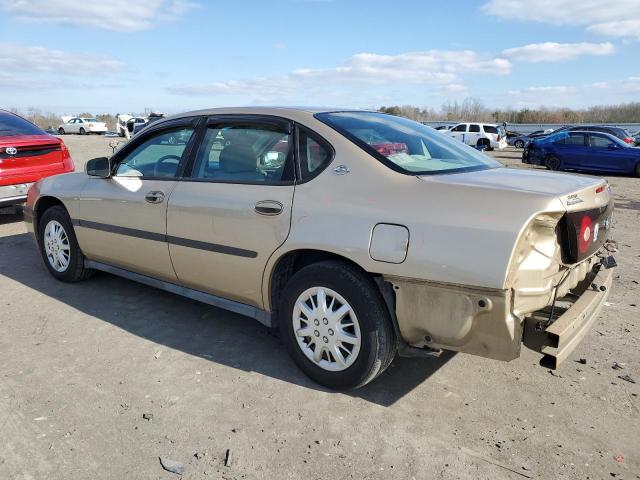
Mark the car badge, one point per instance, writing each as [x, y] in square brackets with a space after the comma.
[11, 150]
[574, 199]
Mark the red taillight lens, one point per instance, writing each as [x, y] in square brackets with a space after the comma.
[629, 140]
[498, 138]
[586, 231]
[600, 189]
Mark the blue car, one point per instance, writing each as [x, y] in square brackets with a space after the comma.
[583, 150]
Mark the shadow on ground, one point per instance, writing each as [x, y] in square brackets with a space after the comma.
[193, 327]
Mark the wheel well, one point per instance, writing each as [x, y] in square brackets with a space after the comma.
[44, 203]
[295, 260]
[484, 141]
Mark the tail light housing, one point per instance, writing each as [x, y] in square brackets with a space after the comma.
[66, 158]
[629, 140]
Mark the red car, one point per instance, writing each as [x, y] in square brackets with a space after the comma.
[27, 154]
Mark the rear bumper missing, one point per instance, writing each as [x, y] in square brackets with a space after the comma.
[556, 336]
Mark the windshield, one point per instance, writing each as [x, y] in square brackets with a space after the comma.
[406, 146]
[11, 125]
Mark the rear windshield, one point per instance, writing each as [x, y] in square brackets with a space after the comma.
[490, 129]
[90, 119]
[11, 125]
[407, 146]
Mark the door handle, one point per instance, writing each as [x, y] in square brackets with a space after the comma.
[154, 196]
[269, 207]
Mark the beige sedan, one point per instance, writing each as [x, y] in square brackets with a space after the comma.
[358, 235]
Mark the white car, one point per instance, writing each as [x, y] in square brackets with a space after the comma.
[481, 135]
[82, 126]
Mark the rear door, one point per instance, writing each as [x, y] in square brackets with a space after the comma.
[122, 219]
[234, 211]
[473, 135]
[573, 151]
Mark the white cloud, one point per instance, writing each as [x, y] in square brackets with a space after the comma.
[619, 18]
[363, 70]
[118, 15]
[557, 52]
[594, 93]
[22, 59]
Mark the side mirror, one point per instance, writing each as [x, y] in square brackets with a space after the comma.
[98, 167]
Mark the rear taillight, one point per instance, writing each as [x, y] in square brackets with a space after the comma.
[629, 140]
[498, 138]
[600, 189]
[584, 238]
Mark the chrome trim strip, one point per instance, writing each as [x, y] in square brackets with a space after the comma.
[161, 237]
[262, 316]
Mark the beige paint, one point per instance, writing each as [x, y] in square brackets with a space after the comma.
[223, 213]
[474, 236]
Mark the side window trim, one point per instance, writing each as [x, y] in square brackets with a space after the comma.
[186, 122]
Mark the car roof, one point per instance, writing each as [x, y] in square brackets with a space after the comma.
[292, 113]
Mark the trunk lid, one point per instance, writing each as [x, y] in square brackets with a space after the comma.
[25, 156]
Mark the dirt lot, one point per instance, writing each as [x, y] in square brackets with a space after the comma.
[81, 364]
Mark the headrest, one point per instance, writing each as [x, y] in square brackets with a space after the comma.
[238, 158]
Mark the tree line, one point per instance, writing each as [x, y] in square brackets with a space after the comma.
[473, 110]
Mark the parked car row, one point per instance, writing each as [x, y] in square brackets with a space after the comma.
[577, 149]
[128, 125]
[621, 133]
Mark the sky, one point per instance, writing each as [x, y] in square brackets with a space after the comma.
[116, 56]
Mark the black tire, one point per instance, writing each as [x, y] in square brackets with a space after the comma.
[552, 162]
[75, 271]
[82, 131]
[483, 142]
[378, 343]
[61, 131]
[637, 171]
[519, 144]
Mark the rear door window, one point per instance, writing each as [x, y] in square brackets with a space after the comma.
[576, 139]
[314, 154]
[474, 128]
[245, 153]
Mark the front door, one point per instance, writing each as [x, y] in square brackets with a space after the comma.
[224, 222]
[605, 154]
[122, 219]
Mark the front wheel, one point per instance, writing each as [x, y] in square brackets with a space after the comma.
[336, 325]
[552, 162]
[59, 247]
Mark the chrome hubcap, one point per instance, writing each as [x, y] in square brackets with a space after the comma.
[56, 246]
[326, 328]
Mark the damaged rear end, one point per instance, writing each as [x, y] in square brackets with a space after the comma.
[560, 273]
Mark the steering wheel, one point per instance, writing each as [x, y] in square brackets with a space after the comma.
[167, 158]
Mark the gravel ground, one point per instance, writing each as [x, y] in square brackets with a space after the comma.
[82, 365]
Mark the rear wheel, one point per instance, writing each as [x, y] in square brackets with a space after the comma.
[61, 131]
[59, 247]
[483, 143]
[552, 162]
[336, 325]
[519, 144]
[82, 131]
